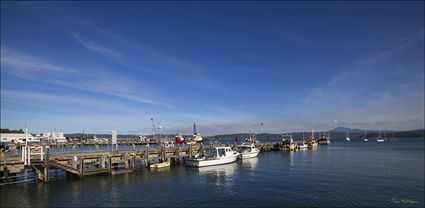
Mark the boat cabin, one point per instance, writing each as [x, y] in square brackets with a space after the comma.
[218, 152]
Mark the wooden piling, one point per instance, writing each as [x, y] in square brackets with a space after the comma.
[81, 163]
[177, 154]
[110, 164]
[133, 162]
[190, 151]
[146, 155]
[46, 164]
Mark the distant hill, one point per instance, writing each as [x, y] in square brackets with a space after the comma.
[340, 134]
[337, 133]
[344, 129]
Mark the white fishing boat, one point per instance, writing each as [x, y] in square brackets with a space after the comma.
[214, 156]
[288, 143]
[248, 150]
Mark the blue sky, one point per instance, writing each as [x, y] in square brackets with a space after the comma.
[228, 66]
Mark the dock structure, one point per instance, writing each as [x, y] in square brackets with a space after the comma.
[85, 163]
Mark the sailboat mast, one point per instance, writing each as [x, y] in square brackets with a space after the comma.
[312, 133]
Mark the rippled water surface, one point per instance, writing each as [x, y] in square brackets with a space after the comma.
[341, 174]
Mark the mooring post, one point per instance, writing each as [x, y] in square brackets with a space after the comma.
[4, 168]
[81, 161]
[162, 153]
[126, 160]
[110, 164]
[177, 156]
[133, 161]
[46, 163]
[190, 150]
[146, 155]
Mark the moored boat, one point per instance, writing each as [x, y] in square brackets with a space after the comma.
[248, 151]
[348, 137]
[312, 143]
[161, 165]
[288, 143]
[325, 139]
[380, 138]
[214, 156]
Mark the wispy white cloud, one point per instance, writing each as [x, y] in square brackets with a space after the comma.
[375, 91]
[101, 81]
[149, 60]
[24, 66]
[98, 49]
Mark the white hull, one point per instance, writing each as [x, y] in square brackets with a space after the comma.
[210, 162]
[250, 154]
[302, 147]
[366, 140]
[160, 165]
[380, 140]
[348, 139]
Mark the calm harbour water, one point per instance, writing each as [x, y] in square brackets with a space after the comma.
[342, 174]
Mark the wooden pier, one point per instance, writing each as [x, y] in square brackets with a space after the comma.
[85, 163]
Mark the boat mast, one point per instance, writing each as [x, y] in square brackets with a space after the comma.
[26, 134]
[154, 129]
[312, 134]
[194, 128]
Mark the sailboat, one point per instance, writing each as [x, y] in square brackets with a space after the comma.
[347, 138]
[312, 143]
[325, 139]
[380, 138]
[365, 139]
[303, 145]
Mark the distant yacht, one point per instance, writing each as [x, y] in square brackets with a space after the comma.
[303, 145]
[347, 138]
[312, 143]
[365, 139]
[380, 138]
[325, 139]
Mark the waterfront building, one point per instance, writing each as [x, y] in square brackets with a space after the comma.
[15, 137]
[54, 137]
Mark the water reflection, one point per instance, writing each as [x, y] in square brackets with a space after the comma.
[220, 176]
[250, 163]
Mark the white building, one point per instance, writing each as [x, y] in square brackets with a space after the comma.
[54, 136]
[16, 137]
